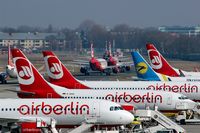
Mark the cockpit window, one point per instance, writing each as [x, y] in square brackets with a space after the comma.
[111, 108]
[115, 108]
[182, 97]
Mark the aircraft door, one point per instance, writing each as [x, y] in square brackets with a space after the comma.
[169, 99]
[96, 109]
[95, 113]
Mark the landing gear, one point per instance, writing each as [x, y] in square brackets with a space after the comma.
[3, 77]
[123, 69]
[128, 68]
[85, 71]
[108, 71]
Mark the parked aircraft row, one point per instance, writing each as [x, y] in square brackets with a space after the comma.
[64, 85]
[54, 113]
[140, 94]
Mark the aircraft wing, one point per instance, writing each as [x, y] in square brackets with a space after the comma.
[8, 120]
[125, 64]
[19, 91]
[123, 58]
[80, 63]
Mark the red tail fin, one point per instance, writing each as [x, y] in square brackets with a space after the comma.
[30, 79]
[9, 57]
[158, 62]
[59, 74]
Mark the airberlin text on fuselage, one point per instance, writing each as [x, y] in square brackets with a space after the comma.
[57, 109]
[187, 88]
[128, 98]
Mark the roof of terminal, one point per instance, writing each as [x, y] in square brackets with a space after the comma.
[25, 36]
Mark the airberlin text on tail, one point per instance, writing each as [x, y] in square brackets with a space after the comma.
[59, 74]
[30, 80]
[158, 62]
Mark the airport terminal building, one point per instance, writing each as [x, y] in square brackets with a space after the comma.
[31, 40]
[193, 30]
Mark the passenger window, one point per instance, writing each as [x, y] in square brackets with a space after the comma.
[111, 108]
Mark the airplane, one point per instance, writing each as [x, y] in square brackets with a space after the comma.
[95, 65]
[144, 71]
[65, 112]
[160, 64]
[119, 93]
[114, 61]
[65, 79]
[10, 68]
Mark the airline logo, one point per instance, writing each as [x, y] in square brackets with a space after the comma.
[155, 59]
[24, 71]
[54, 67]
[136, 98]
[73, 108]
[141, 68]
[186, 88]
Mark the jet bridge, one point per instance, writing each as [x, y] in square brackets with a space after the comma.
[162, 120]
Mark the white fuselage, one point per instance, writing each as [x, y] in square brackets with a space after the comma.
[189, 74]
[190, 89]
[11, 71]
[138, 98]
[64, 111]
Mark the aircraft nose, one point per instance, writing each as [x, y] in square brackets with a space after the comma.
[127, 118]
[191, 104]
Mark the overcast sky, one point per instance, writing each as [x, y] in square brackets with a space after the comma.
[70, 13]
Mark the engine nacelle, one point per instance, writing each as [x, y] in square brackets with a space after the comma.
[115, 70]
[83, 70]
